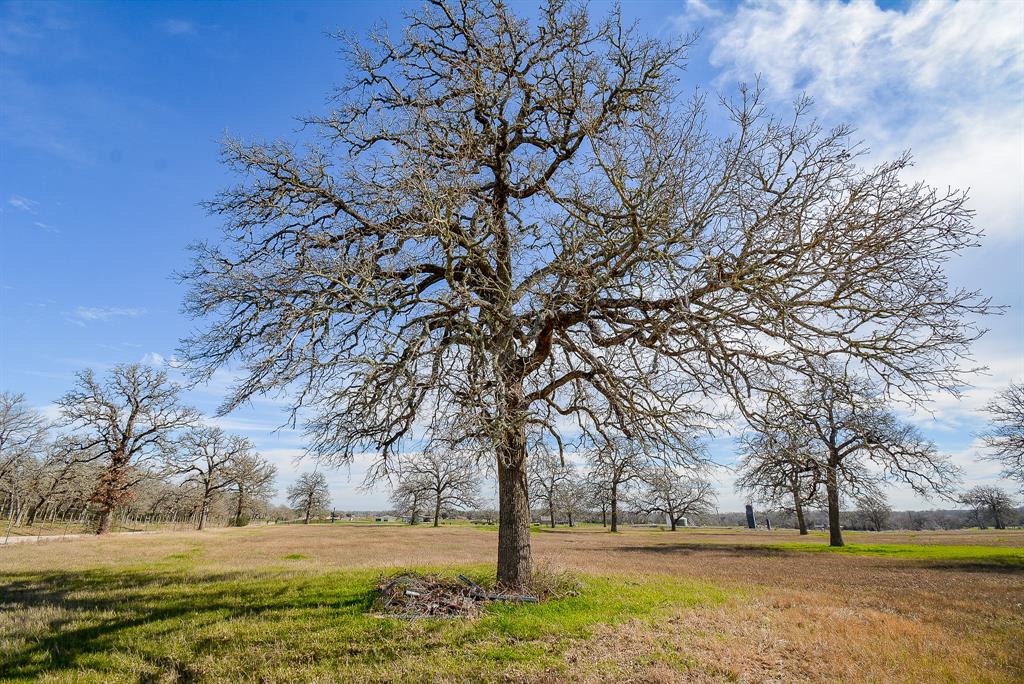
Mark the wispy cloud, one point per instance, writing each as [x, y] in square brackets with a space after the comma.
[45, 227]
[178, 27]
[23, 203]
[87, 314]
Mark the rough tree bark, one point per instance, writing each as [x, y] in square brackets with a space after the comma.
[835, 532]
[515, 560]
[799, 508]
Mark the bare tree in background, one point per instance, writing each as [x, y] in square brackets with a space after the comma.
[409, 498]
[506, 224]
[598, 495]
[309, 495]
[1005, 437]
[859, 441]
[875, 510]
[56, 473]
[619, 462]
[125, 421]
[23, 430]
[988, 500]
[547, 474]
[253, 480]
[571, 497]
[448, 480]
[779, 468]
[206, 456]
[667, 492]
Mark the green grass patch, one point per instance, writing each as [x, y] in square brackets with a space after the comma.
[294, 556]
[165, 623]
[989, 555]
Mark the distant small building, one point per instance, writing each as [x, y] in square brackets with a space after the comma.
[383, 518]
[683, 522]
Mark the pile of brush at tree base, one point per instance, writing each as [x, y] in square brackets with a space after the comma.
[414, 595]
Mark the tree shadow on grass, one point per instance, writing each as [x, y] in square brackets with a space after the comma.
[997, 564]
[102, 611]
[689, 548]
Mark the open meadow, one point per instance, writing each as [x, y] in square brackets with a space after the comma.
[294, 603]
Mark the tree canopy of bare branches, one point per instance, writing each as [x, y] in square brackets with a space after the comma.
[125, 420]
[207, 457]
[23, 430]
[1005, 437]
[447, 480]
[666, 491]
[989, 501]
[504, 223]
[309, 495]
[858, 441]
[779, 467]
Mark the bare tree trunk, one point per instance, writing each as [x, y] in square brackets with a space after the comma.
[569, 515]
[437, 510]
[238, 509]
[672, 522]
[105, 517]
[202, 514]
[835, 532]
[309, 509]
[995, 517]
[604, 516]
[551, 512]
[615, 507]
[515, 561]
[799, 507]
[34, 511]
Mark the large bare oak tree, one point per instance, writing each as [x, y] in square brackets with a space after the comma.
[510, 224]
[856, 441]
[125, 421]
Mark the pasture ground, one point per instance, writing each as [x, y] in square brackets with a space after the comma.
[292, 603]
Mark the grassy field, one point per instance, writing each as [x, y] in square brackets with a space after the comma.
[294, 603]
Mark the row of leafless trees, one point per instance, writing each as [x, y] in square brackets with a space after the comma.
[436, 483]
[125, 445]
[816, 445]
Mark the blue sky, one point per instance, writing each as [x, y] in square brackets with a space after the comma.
[110, 116]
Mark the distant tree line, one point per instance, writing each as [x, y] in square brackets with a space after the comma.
[125, 451]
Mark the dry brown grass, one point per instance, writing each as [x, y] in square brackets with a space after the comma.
[794, 617]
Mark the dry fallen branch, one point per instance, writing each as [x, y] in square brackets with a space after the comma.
[415, 595]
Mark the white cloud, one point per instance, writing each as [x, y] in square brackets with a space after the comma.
[84, 314]
[23, 203]
[153, 359]
[178, 27]
[943, 78]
